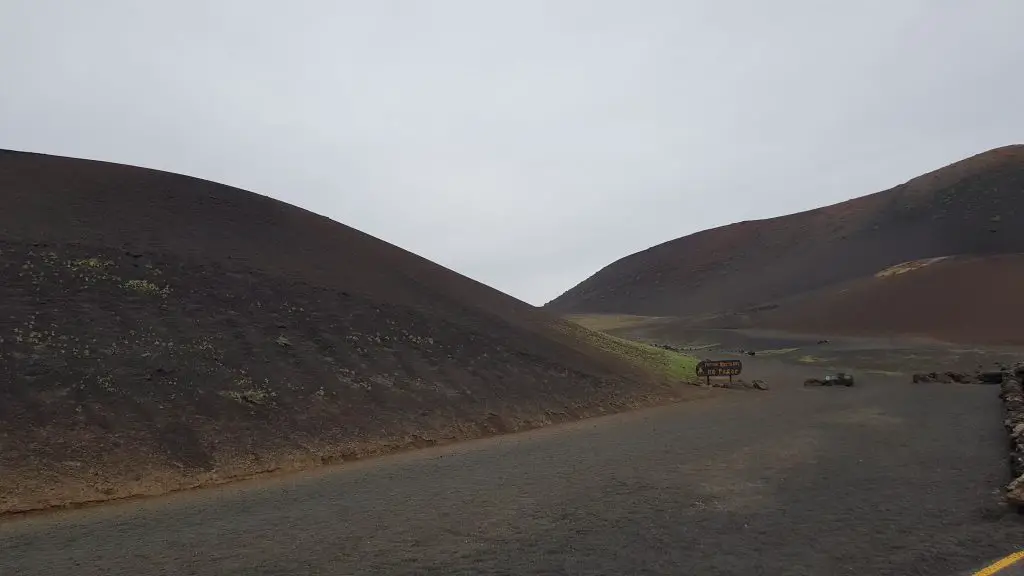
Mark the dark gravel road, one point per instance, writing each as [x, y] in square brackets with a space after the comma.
[885, 478]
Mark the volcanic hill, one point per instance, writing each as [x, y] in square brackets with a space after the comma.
[754, 273]
[159, 331]
[960, 299]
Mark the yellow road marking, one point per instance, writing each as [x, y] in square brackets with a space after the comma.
[1000, 564]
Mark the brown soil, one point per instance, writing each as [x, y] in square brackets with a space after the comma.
[965, 299]
[972, 207]
[159, 332]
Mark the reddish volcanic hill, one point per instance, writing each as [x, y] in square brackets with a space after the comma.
[964, 299]
[160, 331]
[972, 207]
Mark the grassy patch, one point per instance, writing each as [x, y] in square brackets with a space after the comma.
[90, 264]
[908, 266]
[776, 352]
[697, 347]
[605, 322]
[885, 372]
[808, 359]
[146, 287]
[673, 365]
[247, 392]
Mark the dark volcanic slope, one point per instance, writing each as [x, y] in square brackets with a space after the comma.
[975, 206]
[158, 331]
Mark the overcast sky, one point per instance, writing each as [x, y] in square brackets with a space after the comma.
[524, 143]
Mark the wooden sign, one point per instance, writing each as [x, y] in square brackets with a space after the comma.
[709, 368]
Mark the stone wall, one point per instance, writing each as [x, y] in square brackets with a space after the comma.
[1013, 402]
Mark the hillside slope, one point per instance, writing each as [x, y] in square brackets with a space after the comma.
[159, 331]
[964, 299]
[975, 206]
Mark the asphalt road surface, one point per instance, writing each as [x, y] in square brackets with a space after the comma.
[884, 478]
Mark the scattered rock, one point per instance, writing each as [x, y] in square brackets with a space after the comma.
[942, 377]
[958, 377]
[740, 384]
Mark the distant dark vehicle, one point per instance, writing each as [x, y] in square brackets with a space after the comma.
[838, 379]
[822, 341]
[751, 353]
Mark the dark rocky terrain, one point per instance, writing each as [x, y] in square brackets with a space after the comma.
[815, 271]
[159, 332]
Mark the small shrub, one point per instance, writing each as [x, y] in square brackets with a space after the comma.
[249, 392]
[91, 264]
[146, 287]
[255, 396]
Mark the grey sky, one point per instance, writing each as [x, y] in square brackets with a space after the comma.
[524, 143]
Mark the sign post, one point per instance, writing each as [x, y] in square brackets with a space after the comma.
[709, 368]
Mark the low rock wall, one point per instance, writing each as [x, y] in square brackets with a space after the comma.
[1012, 394]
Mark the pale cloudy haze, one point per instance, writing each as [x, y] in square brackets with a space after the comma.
[523, 143]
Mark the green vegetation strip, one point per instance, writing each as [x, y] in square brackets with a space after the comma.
[776, 352]
[604, 322]
[673, 365]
